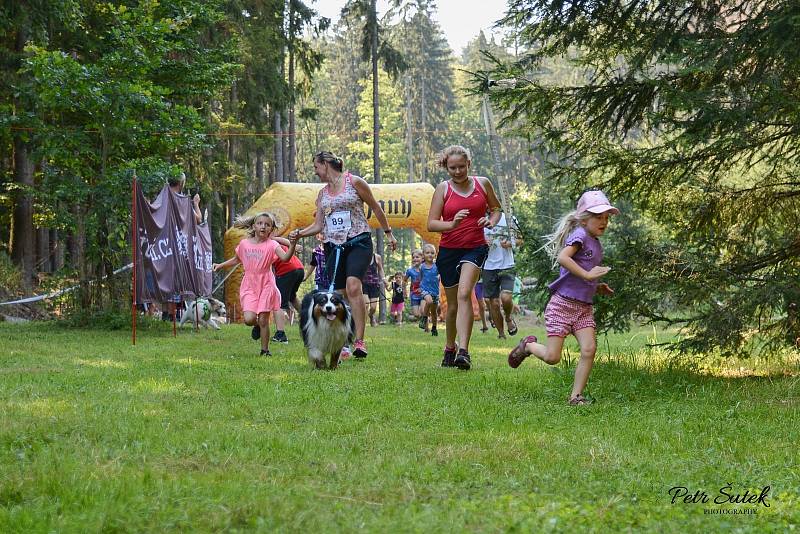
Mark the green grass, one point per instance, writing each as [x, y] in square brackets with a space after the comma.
[199, 434]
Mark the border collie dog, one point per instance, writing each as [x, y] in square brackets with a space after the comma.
[326, 325]
[210, 312]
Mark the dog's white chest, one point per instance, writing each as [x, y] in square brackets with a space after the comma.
[327, 335]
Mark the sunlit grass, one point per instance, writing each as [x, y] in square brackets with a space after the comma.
[197, 433]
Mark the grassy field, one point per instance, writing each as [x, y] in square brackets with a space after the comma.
[199, 434]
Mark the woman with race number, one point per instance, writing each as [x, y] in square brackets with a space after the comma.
[346, 237]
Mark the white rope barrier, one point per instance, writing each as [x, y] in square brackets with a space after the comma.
[37, 298]
[54, 294]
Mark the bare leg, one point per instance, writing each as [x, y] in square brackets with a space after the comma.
[550, 353]
[497, 318]
[263, 322]
[429, 308]
[464, 318]
[482, 313]
[280, 320]
[373, 307]
[588, 343]
[507, 302]
[367, 310]
[356, 298]
[250, 318]
[450, 318]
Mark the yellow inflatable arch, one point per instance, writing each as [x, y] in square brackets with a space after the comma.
[294, 206]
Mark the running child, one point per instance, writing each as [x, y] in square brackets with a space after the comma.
[415, 277]
[258, 292]
[398, 298]
[575, 246]
[458, 210]
[429, 287]
[317, 265]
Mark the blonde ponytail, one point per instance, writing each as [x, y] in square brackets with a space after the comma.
[553, 243]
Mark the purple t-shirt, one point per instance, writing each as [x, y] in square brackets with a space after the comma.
[589, 255]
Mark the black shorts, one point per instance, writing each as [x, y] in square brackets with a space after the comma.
[449, 262]
[497, 280]
[354, 259]
[288, 284]
[373, 291]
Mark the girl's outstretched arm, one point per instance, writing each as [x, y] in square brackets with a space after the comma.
[312, 229]
[287, 254]
[226, 264]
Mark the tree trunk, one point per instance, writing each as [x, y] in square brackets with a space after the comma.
[291, 139]
[22, 233]
[376, 137]
[43, 263]
[423, 134]
[260, 169]
[229, 197]
[231, 204]
[56, 250]
[409, 132]
[276, 126]
[285, 148]
[78, 253]
[230, 208]
[23, 238]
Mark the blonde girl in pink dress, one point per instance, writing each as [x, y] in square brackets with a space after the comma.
[258, 293]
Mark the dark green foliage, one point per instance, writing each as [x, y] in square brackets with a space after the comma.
[362, 12]
[688, 110]
[104, 88]
[427, 85]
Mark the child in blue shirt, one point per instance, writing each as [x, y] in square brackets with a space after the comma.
[429, 287]
[412, 274]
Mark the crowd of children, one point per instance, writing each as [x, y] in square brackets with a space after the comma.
[475, 260]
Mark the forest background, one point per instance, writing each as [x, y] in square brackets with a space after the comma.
[237, 95]
[683, 114]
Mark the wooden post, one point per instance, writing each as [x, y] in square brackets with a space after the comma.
[134, 235]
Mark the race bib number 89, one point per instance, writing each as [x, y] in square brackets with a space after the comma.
[338, 221]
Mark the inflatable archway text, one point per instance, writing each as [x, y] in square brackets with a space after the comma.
[294, 206]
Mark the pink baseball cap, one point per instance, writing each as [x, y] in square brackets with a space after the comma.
[595, 202]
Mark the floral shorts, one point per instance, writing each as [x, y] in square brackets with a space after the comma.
[564, 316]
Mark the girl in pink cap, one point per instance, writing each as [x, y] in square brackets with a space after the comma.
[574, 245]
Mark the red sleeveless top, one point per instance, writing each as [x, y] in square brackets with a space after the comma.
[467, 234]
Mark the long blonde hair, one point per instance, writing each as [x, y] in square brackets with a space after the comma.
[553, 243]
[248, 222]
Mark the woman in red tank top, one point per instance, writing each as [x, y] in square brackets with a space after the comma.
[459, 211]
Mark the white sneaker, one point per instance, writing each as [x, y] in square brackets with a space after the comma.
[345, 354]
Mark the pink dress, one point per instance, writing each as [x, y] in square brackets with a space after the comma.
[258, 292]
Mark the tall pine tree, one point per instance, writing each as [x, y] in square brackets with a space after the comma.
[690, 111]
